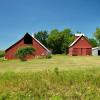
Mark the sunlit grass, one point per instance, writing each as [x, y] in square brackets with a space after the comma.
[59, 78]
[63, 62]
[51, 85]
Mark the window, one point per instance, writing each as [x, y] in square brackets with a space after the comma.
[27, 39]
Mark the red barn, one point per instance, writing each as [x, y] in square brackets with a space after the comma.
[27, 40]
[80, 47]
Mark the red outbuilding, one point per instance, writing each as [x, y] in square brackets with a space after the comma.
[80, 47]
[27, 40]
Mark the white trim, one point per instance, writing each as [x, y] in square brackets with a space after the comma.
[79, 34]
[41, 44]
[95, 48]
[75, 41]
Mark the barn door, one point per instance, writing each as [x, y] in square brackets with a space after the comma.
[75, 52]
[88, 51]
[83, 51]
[98, 52]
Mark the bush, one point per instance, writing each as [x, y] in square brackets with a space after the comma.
[24, 51]
[2, 53]
[49, 56]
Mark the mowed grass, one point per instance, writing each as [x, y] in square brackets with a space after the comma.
[59, 78]
[62, 62]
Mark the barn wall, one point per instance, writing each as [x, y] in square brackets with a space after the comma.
[95, 51]
[81, 48]
[82, 43]
[80, 51]
[40, 51]
[70, 51]
[10, 54]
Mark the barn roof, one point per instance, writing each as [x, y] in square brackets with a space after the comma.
[33, 38]
[75, 41]
[96, 48]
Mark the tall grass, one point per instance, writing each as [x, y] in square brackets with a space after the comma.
[51, 85]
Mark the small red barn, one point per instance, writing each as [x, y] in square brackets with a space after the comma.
[27, 40]
[80, 47]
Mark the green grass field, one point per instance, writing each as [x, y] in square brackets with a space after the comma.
[59, 78]
[62, 62]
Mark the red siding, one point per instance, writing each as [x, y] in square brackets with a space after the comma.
[39, 49]
[81, 48]
[82, 43]
[10, 53]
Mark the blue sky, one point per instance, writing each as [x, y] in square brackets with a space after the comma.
[20, 16]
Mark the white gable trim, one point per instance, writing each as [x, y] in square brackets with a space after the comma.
[41, 44]
[75, 41]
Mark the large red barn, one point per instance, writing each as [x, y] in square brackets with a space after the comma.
[27, 40]
[80, 47]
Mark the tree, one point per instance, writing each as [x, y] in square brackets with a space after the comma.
[58, 41]
[24, 51]
[2, 53]
[68, 38]
[42, 36]
[79, 32]
[54, 41]
[93, 42]
[97, 35]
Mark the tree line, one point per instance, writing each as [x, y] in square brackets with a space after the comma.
[58, 41]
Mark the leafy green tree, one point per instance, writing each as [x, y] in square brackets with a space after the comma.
[58, 41]
[97, 35]
[79, 32]
[24, 51]
[55, 41]
[68, 38]
[2, 53]
[42, 36]
[93, 42]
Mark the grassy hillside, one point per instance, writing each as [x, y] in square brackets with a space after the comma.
[63, 62]
[58, 78]
[47, 85]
